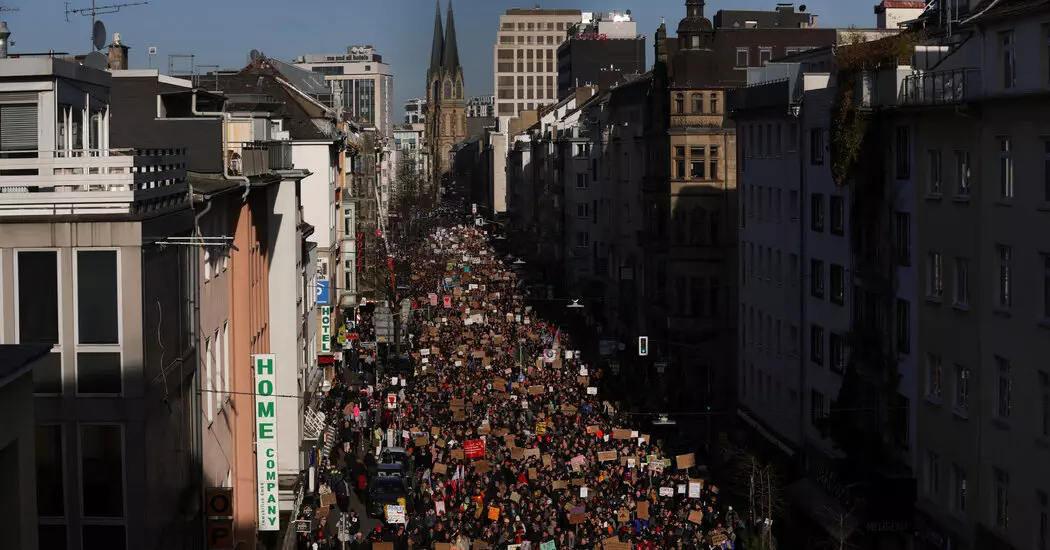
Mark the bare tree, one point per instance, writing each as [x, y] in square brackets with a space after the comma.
[759, 482]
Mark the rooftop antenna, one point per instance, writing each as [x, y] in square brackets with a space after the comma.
[94, 11]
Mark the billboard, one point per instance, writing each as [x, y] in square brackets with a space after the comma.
[266, 442]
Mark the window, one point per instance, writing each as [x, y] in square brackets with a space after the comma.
[816, 344]
[1006, 169]
[37, 298]
[903, 326]
[225, 380]
[679, 103]
[793, 267]
[816, 407]
[1043, 387]
[741, 57]
[583, 210]
[932, 484]
[18, 127]
[102, 470]
[583, 239]
[816, 274]
[961, 293]
[1004, 252]
[933, 174]
[679, 161]
[581, 181]
[792, 137]
[1001, 504]
[957, 497]
[902, 237]
[962, 174]
[98, 351]
[696, 162]
[961, 391]
[1046, 171]
[1003, 397]
[1007, 59]
[933, 377]
[714, 104]
[793, 197]
[816, 146]
[712, 163]
[816, 203]
[793, 340]
[838, 215]
[838, 284]
[902, 155]
[50, 471]
[698, 102]
[764, 55]
[779, 205]
[837, 351]
[935, 275]
[209, 379]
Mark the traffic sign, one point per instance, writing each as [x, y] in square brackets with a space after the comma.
[322, 292]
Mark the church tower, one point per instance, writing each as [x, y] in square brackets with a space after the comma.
[446, 122]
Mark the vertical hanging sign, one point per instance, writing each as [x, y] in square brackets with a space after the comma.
[326, 329]
[266, 442]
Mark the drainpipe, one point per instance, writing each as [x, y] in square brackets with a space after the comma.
[225, 118]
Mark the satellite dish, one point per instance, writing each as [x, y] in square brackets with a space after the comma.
[98, 35]
[802, 7]
[153, 50]
[255, 54]
[96, 60]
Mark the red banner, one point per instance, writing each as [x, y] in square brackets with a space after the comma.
[474, 448]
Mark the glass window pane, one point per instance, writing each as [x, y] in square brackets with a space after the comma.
[52, 537]
[47, 374]
[50, 494]
[104, 537]
[102, 471]
[97, 296]
[98, 372]
[38, 297]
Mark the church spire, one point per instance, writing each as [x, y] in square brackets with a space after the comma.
[439, 40]
[450, 55]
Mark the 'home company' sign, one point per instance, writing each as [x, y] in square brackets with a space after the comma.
[266, 442]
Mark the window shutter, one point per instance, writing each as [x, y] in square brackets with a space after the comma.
[18, 127]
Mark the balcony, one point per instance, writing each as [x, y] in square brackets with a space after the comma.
[265, 157]
[949, 87]
[90, 181]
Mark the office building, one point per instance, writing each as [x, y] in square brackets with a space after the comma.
[599, 51]
[525, 71]
[362, 84]
[481, 107]
[416, 111]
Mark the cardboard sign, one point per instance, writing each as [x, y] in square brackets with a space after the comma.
[613, 543]
[547, 460]
[440, 469]
[606, 456]
[536, 390]
[641, 509]
[532, 453]
[559, 484]
[435, 431]
[382, 546]
[421, 441]
[620, 433]
[578, 518]
[493, 513]
[457, 403]
[517, 453]
[685, 461]
[696, 516]
[456, 454]
[532, 473]
[482, 466]
[623, 515]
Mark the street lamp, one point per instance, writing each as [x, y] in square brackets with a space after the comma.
[575, 305]
[519, 261]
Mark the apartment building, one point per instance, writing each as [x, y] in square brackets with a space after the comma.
[82, 273]
[416, 111]
[481, 107]
[982, 190]
[361, 84]
[599, 51]
[524, 58]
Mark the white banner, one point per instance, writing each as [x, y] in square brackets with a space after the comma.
[266, 442]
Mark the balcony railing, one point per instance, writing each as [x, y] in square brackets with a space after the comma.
[264, 157]
[90, 181]
[949, 87]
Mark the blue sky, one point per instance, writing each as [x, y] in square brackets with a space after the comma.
[222, 32]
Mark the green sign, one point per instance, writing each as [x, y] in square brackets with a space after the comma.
[266, 442]
[326, 329]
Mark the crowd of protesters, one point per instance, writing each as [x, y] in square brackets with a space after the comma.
[512, 444]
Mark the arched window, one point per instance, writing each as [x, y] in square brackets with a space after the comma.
[679, 103]
[447, 93]
[459, 89]
[698, 103]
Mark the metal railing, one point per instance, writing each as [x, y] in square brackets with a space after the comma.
[948, 87]
[264, 157]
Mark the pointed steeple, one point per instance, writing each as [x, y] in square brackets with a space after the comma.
[439, 40]
[450, 55]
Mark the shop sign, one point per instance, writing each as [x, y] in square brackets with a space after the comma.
[266, 442]
[326, 329]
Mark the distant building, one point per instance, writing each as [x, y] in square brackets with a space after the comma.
[361, 83]
[481, 106]
[527, 42]
[411, 158]
[446, 123]
[599, 51]
[415, 111]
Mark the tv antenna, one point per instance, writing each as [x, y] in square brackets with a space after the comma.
[95, 11]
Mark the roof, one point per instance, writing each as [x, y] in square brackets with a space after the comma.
[211, 185]
[261, 79]
[450, 53]
[1001, 9]
[307, 81]
[438, 42]
[17, 359]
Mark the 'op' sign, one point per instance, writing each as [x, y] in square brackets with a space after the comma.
[266, 441]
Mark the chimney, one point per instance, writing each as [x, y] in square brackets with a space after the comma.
[5, 34]
[118, 54]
